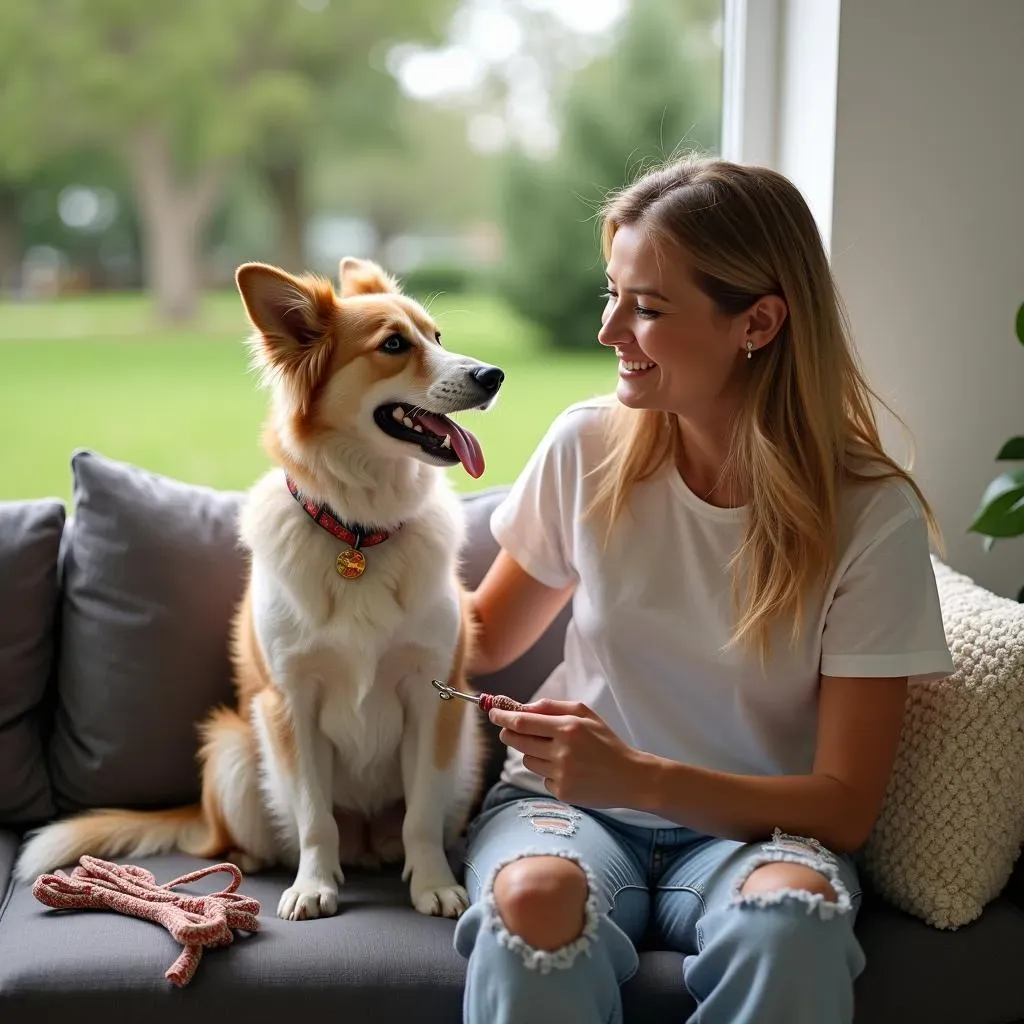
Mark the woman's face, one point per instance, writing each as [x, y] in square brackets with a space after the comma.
[677, 352]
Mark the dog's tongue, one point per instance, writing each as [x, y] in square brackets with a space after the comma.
[464, 444]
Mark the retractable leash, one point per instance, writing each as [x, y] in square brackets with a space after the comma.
[485, 701]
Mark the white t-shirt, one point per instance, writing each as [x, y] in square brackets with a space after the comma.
[652, 611]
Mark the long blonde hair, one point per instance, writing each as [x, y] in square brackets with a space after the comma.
[807, 418]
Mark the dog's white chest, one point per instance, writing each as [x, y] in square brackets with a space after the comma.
[366, 738]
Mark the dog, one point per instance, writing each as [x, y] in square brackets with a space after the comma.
[337, 751]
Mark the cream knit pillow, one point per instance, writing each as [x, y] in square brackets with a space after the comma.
[952, 823]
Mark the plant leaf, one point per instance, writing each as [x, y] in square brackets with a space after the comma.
[1020, 324]
[1001, 513]
[1012, 450]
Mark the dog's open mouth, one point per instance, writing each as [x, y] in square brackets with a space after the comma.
[437, 435]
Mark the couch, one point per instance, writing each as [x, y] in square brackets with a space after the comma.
[113, 641]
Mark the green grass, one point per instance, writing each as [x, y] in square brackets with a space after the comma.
[97, 373]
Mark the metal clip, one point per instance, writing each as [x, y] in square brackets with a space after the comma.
[446, 692]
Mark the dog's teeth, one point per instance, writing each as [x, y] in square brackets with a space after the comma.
[447, 442]
[407, 422]
[417, 428]
[399, 413]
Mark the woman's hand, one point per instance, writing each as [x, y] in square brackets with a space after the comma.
[581, 760]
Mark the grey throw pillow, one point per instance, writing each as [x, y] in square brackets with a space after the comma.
[30, 535]
[153, 572]
[522, 678]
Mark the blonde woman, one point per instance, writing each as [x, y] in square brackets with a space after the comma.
[751, 589]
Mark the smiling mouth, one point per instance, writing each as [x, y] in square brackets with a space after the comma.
[634, 367]
[437, 435]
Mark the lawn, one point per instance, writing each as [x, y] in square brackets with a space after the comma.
[95, 373]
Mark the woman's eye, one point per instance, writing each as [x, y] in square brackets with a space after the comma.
[393, 344]
[642, 311]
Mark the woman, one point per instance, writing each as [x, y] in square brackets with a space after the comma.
[751, 590]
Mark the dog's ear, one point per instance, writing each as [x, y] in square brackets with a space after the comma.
[364, 277]
[292, 314]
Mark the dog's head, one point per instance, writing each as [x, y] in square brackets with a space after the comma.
[363, 365]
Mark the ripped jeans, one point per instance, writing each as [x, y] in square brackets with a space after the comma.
[777, 956]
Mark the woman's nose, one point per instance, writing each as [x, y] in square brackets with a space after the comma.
[612, 332]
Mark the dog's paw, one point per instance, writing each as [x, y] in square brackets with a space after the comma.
[305, 902]
[443, 901]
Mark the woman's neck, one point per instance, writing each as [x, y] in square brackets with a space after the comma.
[702, 460]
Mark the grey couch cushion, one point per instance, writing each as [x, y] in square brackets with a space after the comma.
[919, 973]
[8, 848]
[378, 960]
[152, 575]
[30, 534]
[520, 679]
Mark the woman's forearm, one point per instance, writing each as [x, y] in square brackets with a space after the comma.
[750, 807]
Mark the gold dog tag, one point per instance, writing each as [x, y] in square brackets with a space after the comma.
[350, 564]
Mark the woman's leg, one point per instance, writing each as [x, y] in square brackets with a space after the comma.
[557, 901]
[768, 928]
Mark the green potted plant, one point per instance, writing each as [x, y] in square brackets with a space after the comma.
[1001, 513]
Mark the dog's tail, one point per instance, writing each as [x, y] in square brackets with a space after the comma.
[115, 833]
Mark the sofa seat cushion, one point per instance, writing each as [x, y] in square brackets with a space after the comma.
[30, 537]
[8, 850]
[380, 960]
[919, 973]
[377, 960]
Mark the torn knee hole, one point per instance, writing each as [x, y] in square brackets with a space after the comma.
[782, 875]
[541, 906]
[791, 869]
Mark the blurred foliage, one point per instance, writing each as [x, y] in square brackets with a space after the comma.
[429, 179]
[434, 278]
[274, 130]
[654, 94]
[183, 93]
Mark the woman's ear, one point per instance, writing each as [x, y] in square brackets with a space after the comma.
[764, 320]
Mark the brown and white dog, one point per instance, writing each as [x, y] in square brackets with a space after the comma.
[338, 750]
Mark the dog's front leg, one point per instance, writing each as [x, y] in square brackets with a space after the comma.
[314, 893]
[428, 781]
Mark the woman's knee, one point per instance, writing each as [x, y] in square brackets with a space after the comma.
[542, 900]
[786, 877]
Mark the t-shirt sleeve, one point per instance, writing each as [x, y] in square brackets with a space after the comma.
[534, 523]
[885, 618]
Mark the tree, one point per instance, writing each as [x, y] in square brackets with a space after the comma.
[655, 92]
[355, 106]
[183, 92]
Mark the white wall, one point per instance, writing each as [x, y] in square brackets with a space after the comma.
[805, 133]
[927, 239]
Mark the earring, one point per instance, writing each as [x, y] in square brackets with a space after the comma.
[750, 349]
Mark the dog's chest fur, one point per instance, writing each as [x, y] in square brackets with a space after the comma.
[357, 644]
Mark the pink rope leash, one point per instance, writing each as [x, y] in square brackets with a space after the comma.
[197, 922]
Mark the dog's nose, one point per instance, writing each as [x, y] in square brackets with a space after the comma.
[489, 378]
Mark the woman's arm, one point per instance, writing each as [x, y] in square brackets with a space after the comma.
[511, 611]
[837, 803]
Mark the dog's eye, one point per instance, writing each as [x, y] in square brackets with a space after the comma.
[393, 344]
